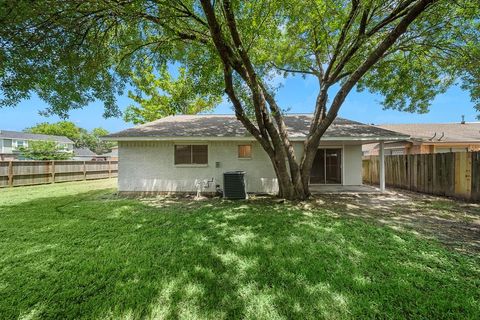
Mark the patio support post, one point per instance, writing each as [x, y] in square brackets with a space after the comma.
[382, 167]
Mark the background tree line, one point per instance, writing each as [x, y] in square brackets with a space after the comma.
[51, 150]
[81, 137]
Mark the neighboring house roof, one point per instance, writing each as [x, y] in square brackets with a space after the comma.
[439, 132]
[6, 134]
[370, 147]
[227, 126]
[83, 152]
[373, 148]
[113, 153]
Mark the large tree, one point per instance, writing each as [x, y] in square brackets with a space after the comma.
[73, 52]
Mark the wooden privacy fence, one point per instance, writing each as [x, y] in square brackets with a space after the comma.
[25, 173]
[446, 174]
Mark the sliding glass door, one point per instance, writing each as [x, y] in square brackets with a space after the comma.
[327, 167]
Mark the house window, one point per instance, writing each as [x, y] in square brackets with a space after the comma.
[7, 143]
[20, 143]
[63, 146]
[191, 154]
[245, 151]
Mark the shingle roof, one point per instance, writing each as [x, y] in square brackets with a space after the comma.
[83, 152]
[6, 134]
[205, 126]
[113, 153]
[439, 132]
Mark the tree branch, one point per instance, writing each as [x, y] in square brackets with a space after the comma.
[418, 8]
[397, 13]
[400, 11]
[341, 39]
[240, 113]
[294, 70]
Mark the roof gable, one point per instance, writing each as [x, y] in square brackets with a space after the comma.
[84, 152]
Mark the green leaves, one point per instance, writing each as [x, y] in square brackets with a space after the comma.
[73, 53]
[45, 150]
[81, 137]
[158, 96]
[61, 128]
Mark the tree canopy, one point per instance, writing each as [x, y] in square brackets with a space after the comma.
[160, 96]
[61, 128]
[71, 53]
[80, 136]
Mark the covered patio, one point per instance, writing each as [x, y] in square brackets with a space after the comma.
[328, 174]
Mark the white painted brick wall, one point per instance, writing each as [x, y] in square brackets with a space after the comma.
[149, 166]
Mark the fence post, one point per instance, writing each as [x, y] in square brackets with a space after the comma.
[369, 169]
[372, 168]
[382, 166]
[10, 173]
[434, 174]
[468, 175]
[52, 164]
[109, 169]
[84, 171]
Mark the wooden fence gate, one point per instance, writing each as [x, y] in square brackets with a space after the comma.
[446, 174]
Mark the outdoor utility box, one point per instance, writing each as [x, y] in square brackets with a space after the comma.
[234, 186]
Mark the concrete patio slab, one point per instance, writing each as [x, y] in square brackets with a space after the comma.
[339, 189]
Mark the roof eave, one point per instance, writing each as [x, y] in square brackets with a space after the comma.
[66, 140]
[250, 138]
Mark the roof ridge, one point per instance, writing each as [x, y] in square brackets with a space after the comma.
[227, 126]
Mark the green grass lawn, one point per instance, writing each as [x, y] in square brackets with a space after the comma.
[75, 250]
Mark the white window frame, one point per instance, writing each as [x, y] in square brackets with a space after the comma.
[15, 145]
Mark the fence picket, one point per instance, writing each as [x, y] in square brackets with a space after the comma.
[446, 174]
[24, 173]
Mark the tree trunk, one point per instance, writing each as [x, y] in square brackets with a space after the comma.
[287, 187]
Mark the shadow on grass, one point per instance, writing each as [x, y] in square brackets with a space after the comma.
[454, 223]
[93, 255]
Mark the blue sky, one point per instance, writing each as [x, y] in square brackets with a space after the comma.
[297, 94]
